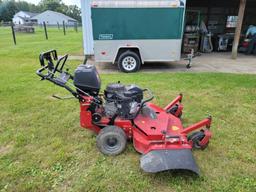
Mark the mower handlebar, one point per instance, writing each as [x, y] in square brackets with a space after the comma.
[50, 77]
[63, 60]
[48, 55]
[39, 72]
[51, 69]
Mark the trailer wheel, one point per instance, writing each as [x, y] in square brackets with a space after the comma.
[129, 62]
[111, 140]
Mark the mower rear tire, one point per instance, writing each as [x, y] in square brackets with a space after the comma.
[196, 138]
[111, 140]
[129, 62]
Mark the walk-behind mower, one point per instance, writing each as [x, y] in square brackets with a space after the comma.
[123, 113]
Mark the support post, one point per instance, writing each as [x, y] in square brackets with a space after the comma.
[75, 26]
[58, 25]
[13, 34]
[238, 28]
[87, 27]
[45, 31]
[208, 13]
[64, 29]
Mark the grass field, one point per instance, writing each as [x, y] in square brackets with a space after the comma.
[42, 147]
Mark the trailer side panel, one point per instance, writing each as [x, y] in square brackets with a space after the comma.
[137, 23]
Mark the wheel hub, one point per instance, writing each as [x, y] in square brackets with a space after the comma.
[129, 63]
[111, 142]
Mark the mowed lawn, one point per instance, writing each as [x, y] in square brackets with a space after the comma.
[43, 148]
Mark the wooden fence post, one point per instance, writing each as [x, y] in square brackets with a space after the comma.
[75, 26]
[45, 31]
[58, 25]
[13, 33]
[64, 29]
[238, 28]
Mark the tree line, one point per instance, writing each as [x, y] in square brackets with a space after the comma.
[8, 8]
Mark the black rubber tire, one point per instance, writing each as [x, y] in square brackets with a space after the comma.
[196, 137]
[173, 110]
[111, 140]
[126, 54]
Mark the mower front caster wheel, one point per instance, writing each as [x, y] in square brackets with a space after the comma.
[174, 110]
[196, 138]
[111, 140]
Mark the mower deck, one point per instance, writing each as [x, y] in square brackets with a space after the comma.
[162, 141]
[155, 130]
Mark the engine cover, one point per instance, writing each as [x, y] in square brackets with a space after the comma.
[87, 80]
[117, 91]
[113, 90]
[122, 101]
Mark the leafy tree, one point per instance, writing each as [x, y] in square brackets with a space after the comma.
[74, 12]
[9, 7]
[53, 5]
[22, 6]
[7, 10]
[58, 6]
[34, 8]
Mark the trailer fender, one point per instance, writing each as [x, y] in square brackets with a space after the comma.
[122, 49]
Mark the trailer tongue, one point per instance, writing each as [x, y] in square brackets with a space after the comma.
[124, 112]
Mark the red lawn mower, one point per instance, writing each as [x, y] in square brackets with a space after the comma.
[123, 112]
[245, 45]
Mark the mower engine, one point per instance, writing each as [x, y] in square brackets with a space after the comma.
[122, 101]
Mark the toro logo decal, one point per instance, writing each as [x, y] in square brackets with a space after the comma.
[175, 128]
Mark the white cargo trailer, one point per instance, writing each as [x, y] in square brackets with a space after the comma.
[131, 32]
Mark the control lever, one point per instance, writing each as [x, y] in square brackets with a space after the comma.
[63, 98]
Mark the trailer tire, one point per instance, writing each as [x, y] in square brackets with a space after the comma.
[129, 62]
[111, 140]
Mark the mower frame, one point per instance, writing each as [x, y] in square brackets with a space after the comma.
[156, 138]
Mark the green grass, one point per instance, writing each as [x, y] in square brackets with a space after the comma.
[42, 147]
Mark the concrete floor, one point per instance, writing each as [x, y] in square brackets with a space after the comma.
[212, 62]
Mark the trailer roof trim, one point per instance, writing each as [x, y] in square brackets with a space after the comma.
[137, 3]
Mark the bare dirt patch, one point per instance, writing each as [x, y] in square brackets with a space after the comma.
[5, 149]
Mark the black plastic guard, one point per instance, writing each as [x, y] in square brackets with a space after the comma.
[163, 160]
